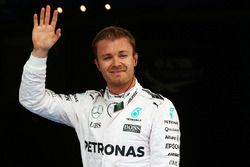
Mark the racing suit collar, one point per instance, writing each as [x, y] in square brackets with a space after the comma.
[123, 96]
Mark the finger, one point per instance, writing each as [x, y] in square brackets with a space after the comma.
[47, 15]
[54, 19]
[35, 20]
[58, 33]
[42, 16]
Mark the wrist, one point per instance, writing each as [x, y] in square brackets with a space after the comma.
[40, 53]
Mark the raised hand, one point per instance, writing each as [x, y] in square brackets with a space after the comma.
[44, 35]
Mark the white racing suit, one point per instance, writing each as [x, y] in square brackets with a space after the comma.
[135, 129]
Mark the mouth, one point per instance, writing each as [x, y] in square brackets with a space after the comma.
[117, 72]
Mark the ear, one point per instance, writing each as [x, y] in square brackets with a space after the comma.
[97, 64]
[135, 58]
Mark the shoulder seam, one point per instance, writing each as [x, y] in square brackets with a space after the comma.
[153, 95]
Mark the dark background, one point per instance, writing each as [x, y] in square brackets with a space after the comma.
[194, 52]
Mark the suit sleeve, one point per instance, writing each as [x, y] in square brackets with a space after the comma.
[35, 98]
[165, 136]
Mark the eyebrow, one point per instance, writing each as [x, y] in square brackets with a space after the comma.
[123, 51]
[120, 52]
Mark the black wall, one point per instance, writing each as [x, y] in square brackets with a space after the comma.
[193, 52]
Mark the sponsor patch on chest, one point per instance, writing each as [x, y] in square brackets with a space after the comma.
[132, 128]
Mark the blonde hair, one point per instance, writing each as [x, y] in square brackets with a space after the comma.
[111, 33]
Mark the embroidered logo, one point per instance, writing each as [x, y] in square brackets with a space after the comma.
[171, 113]
[132, 128]
[135, 113]
[97, 111]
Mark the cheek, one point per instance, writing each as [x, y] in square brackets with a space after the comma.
[103, 67]
[132, 63]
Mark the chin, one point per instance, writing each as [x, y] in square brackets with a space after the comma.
[118, 82]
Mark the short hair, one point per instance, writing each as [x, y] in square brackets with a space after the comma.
[112, 33]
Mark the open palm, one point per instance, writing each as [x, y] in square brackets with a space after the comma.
[44, 35]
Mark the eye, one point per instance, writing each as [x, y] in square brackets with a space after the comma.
[123, 55]
[106, 57]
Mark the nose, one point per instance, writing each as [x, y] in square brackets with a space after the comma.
[116, 61]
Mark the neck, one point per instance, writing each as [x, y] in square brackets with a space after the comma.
[122, 89]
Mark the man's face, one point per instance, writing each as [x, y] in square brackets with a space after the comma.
[116, 61]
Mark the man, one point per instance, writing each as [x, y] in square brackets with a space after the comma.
[123, 125]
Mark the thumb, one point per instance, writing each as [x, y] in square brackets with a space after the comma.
[57, 34]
